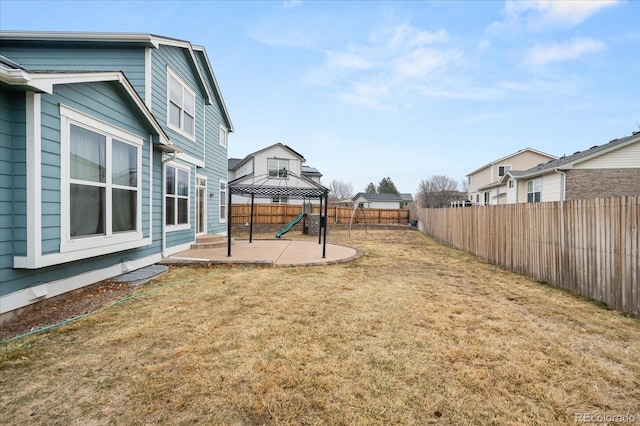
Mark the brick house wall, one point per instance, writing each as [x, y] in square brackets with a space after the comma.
[596, 183]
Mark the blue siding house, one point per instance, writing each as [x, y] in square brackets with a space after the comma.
[113, 155]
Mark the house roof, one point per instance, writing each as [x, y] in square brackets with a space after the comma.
[406, 197]
[374, 196]
[233, 165]
[40, 81]
[143, 39]
[567, 162]
[311, 171]
[233, 162]
[500, 160]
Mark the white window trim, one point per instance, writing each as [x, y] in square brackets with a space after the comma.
[279, 160]
[206, 193]
[182, 226]
[505, 167]
[186, 87]
[223, 136]
[102, 244]
[533, 182]
[223, 201]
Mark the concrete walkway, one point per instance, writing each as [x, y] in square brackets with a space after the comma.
[268, 252]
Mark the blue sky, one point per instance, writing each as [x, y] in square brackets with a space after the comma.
[406, 90]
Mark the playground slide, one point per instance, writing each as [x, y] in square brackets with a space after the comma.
[290, 225]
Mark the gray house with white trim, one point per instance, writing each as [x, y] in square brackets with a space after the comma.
[113, 154]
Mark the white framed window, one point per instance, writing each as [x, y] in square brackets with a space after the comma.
[176, 190]
[278, 167]
[503, 169]
[510, 183]
[181, 106]
[223, 201]
[280, 200]
[223, 136]
[534, 190]
[101, 193]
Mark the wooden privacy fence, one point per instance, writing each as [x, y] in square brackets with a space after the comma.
[268, 214]
[589, 247]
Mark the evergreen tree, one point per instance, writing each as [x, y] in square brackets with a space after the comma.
[387, 186]
[371, 188]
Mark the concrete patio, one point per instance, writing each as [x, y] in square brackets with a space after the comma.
[267, 252]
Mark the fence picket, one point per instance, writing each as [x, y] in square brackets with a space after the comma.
[589, 247]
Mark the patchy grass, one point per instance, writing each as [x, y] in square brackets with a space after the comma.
[411, 333]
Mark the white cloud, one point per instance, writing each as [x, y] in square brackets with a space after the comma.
[393, 62]
[290, 4]
[348, 61]
[421, 61]
[541, 14]
[544, 54]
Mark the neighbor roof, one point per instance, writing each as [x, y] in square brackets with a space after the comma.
[500, 160]
[374, 196]
[567, 162]
[253, 154]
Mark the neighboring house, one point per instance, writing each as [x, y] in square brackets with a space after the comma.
[446, 198]
[485, 184]
[273, 166]
[608, 170]
[372, 200]
[113, 151]
[407, 201]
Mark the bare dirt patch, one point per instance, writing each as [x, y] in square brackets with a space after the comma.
[64, 307]
[411, 333]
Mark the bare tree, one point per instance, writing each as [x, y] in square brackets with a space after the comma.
[340, 190]
[437, 191]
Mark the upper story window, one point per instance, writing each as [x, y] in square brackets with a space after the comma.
[278, 167]
[181, 106]
[223, 136]
[503, 169]
[510, 184]
[534, 188]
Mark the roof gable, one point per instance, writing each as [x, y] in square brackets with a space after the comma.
[202, 69]
[44, 82]
[567, 162]
[503, 159]
[234, 165]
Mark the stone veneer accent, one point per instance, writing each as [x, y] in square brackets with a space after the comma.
[597, 183]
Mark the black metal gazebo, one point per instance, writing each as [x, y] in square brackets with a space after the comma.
[286, 184]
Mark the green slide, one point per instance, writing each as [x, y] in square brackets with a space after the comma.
[290, 225]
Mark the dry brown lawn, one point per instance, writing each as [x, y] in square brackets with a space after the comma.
[411, 333]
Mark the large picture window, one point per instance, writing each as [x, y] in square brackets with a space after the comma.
[277, 167]
[176, 196]
[101, 196]
[181, 106]
[534, 188]
[99, 187]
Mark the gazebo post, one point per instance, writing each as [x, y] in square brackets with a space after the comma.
[229, 207]
[251, 220]
[326, 212]
[320, 223]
